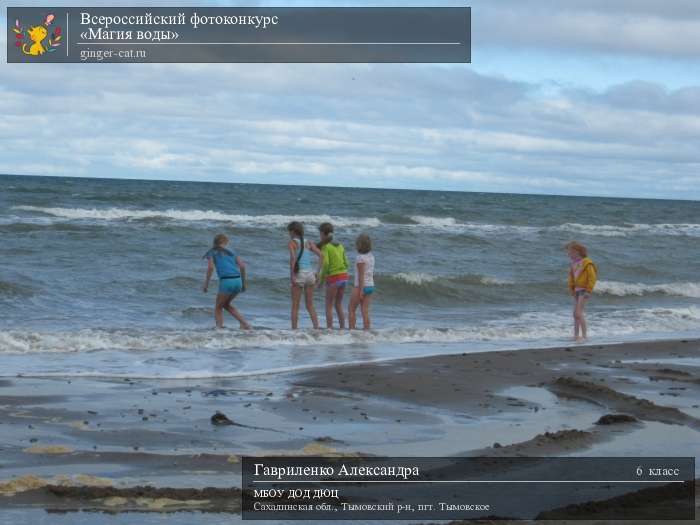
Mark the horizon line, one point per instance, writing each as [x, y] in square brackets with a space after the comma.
[444, 190]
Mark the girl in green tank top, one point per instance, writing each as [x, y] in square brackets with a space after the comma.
[334, 273]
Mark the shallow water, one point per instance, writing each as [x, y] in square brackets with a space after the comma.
[682, 361]
[105, 275]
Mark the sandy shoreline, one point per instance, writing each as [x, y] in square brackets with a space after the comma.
[58, 434]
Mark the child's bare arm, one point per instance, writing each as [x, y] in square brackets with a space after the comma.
[319, 254]
[292, 258]
[361, 278]
[571, 282]
[244, 272]
[210, 271]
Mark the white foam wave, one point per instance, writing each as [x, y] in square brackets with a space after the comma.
[125, 214]
[421, 279]
[606, 230]
[434, 222]
[493, 281]
[452, 224]
[600, 230]
[415, 278]
[90, 340]
[421, 221]
[529, 326]
[621, 289]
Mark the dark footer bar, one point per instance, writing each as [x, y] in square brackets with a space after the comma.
[307, 488]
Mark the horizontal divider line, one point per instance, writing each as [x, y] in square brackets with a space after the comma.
[269, 43]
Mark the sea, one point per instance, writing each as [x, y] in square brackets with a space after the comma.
[103, 278]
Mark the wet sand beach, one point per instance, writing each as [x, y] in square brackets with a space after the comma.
[149, 446]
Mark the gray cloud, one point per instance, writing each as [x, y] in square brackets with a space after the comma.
[624, 26]
[414, 126]
[650, 96]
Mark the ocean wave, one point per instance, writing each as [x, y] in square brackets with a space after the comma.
[599, 230]
[403, 284]
[91, 340]
[414, 278]
[440, 290]
[409, 281]
[450, 224]
[435, 222]
[494, 281]
[422, 279]
[621, 289]
[528, 326]
[126, 214]
[397, 218]
[625, 230]
[443, 224]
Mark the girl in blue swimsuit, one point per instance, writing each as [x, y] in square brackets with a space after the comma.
[231, 271]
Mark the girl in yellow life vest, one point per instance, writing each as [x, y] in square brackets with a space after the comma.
[583, 275]
[334, 273]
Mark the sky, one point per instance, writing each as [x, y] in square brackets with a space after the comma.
[562, 97]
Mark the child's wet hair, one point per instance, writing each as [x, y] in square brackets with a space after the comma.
[326, 228]
[577, 247]
[220, 240]
[296, 228]
[363, 243]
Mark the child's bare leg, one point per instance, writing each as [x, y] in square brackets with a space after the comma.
[582, 317]
[339, 307]
[579, 319]
[236, 314]
[221, 300]
[352, 308]
[366, 321]
[331, 292]
[310, 306]
[296, 299]
[239, 317]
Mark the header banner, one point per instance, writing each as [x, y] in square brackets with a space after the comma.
[211, 35]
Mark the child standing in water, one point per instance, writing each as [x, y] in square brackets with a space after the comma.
[334, 273]
[302, 275]
[582, 278]
[364, 282]
[231, 272]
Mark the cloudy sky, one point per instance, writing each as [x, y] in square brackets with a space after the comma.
[575, 97]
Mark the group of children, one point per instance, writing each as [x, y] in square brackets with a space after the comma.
[330, 269]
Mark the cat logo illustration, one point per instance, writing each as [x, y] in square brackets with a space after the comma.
[33, 41]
